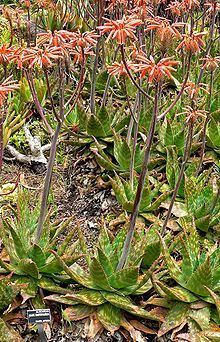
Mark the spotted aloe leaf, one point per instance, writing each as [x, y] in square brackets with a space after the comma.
[36, 253]
[174, 269]
[88, 297]
[216, 299]
[110, 317]
[105, 262]
[8, 292]
[177, 315]
[201, 277]
[95, 127]
[124, 278]
[104, 118]
[126, 304]
[28, 267]
[78, 312]
[177, 293]
[98, 275]
[213, 134]
[201, 317]
[122, 153]
[76, 273]
[7, 334]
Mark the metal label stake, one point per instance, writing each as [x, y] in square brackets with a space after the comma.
[39, 316]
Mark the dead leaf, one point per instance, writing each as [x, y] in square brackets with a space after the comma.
[139, 326]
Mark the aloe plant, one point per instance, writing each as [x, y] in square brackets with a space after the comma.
[105, 291]
[151, 199]
[100, 126]
[31, 262]
[195, 297]
[203, 201]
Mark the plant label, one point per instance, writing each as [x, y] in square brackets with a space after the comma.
[38, 316]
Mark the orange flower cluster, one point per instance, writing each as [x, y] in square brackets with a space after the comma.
[156, 71]
[192, 42]
[6, 87]
[118, 69]
[120, 29]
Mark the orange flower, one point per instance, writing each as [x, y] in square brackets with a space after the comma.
[84, 39]
[5, 54]
[56, 38]
[212, 6]
[190, 4]
[120, 29]
[118, 69]
[80, 54]
[6, 87]
[156, 71]
[42, 57]
[175, 7]
[192, 43]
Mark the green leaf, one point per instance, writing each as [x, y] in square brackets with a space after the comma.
[122, 153]
[104, 118]
[49, 285]
[7, 334]
[176, 316]
[110, 317]
[88, 297]
[174, 270]
[78, 312]
[94, 127]
[98, 275]
[201, 317]
[37, 255]
[105, 262]
[201, 277]
[76, 273]
[8, 292]
[177, 293]
[126, 304]
[28, 267]
[124, 278]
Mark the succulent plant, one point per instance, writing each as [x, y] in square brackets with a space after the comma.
[32, 263]
[194, 300]
[151, 198]
[105, 291]
[120, 160]
[100, 126]
[203, 200]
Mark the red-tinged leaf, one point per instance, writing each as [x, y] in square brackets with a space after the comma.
[139, 326]
[216, 299]
[177, 293]
[61, 300]
[176, 316]
[88, 297]
[110, 317]
[78, 312]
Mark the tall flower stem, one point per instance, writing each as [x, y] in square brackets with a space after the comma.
[206, 123]
[47, 181]
[141, 182]
[180, 177]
